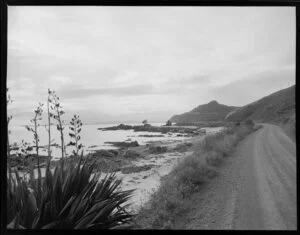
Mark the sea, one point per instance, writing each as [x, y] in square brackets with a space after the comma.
[91, 138]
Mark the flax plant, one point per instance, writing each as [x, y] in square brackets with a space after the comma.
[80, 200]
[23, 154]
[35, 121]
[57, 116]
[75, 129]
[70, 196]
[49, 115]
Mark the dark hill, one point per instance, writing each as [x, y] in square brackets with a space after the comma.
[210, 112]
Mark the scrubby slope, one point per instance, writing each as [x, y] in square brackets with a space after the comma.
[277, 108]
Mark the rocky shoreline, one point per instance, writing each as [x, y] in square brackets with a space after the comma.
[162, 129]
[141, 167]
[109, 160]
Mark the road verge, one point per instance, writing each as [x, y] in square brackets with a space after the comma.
[173, 199]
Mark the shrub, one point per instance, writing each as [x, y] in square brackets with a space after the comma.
[193, 171]
[213, 158]
[70, 198]
[209, 142]
[162, 209]
[242, 131]
[249, 122]
[225, 144]
[157, 149]
[181, 147]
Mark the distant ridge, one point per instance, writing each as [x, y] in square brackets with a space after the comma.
[210, 112]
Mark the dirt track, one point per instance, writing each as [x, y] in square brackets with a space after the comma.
[256, 188]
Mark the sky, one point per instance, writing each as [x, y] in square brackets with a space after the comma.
[121, 64]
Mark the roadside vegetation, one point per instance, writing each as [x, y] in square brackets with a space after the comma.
[289, 127]
[171, 200]
[71, 195]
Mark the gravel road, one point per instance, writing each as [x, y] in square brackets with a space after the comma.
[255, 189]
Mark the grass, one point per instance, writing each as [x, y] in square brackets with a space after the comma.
[171, 200]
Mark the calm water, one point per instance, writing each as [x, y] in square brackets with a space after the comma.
[91, 138]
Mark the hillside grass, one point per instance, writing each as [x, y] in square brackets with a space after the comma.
[171, 200]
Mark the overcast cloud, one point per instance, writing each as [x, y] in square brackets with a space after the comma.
[132, 63]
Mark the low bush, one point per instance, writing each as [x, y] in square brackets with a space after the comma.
[213, 158]
[249, 122]
[193, 171]
[225, 144]
[182, 147]
[221, 142]
[162, 209]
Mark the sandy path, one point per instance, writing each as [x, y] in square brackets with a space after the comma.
[267, 199]
[255, 190]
